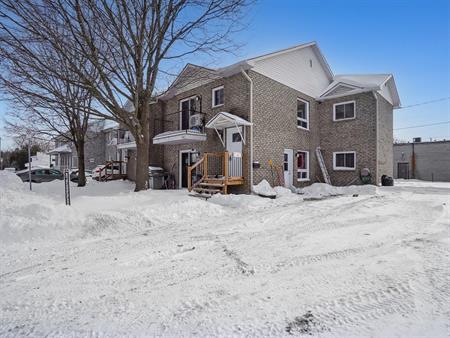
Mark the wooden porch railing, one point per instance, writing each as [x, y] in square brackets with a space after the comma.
[211, 165]
[110, 166]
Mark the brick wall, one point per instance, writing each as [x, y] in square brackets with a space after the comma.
[385, 138]
[236, 92]
[156, 121]
[357, 135]
[275, 128]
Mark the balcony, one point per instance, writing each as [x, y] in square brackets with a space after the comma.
[191, 129]
[125, 140]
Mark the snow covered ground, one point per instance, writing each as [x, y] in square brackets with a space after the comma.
[118, 263]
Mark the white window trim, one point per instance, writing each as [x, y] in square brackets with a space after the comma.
[344, 168]
[304, 170]
[307, 115]
[181, 115]
[344, 119]
[213, 105]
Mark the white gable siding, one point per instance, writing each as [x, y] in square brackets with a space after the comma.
[386, 93]
[293, 69]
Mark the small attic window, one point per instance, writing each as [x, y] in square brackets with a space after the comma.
[310, 63]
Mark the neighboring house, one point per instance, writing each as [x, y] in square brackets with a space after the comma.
[429, 161]
[265, 117]
[40, 160]
[102, 139]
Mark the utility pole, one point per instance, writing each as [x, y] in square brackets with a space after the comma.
[29, 160]
[1, 157]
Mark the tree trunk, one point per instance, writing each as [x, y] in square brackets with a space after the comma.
[142, 149]
[81, 164]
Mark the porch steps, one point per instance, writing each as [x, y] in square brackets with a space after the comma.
[210, 184]
[207, 191]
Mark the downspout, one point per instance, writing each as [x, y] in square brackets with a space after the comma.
[377, 137]
[251, 126]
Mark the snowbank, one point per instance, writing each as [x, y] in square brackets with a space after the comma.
[263, 188]
[10, 181]
[321, 190]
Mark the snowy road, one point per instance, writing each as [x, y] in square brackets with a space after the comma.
[161, 263]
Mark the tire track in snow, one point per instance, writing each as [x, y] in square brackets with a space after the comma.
[320, 258]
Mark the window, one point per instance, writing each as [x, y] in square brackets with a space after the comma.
[286, 162]
[302, 166]
[218, 97]
[236, 137]
[188, 107]
[302, 114]
[345, 160]
[344, 111]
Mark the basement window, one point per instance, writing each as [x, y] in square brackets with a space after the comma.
[302, 166]
[344, 111]
[302, 114]
[345, 160]
[218, 97]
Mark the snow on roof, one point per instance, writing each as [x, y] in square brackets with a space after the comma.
[109, 124]
[358, 83]
[366, 79]
[65, 148]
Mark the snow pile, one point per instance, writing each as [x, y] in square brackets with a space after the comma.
[26, 215]
[263, 188]
[10, 181]
[321, 190]
[366, 267]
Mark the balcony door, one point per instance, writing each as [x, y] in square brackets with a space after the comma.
[187, 108]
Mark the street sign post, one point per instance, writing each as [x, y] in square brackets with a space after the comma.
[67, 186]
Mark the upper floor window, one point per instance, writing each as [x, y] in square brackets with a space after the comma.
[344, 111]
[218, 97]
[302, 114]
[302, 166]
[345, 160]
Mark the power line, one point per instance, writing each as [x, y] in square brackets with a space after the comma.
[425, 102]
[423, 125]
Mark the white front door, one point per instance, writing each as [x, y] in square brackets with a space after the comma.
[234, 147]
[288, 167]
[234, 140]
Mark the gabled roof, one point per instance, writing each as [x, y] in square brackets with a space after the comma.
[312, 44]
[350, 84]
[65, 148]
[294, 67]
[196, 75]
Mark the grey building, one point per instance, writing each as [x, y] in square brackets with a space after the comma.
[273, 117]
[429, 161]
[100, 147]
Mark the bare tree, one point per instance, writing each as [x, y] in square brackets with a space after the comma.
[44, 103]
[130, 44]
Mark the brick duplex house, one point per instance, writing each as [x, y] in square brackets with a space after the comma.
[265, 118]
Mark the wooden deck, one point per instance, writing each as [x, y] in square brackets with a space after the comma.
[212, 174]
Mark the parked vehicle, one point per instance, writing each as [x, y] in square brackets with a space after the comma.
[100, 169]
[74, 175]
[39, 175]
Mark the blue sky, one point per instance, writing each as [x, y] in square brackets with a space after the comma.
[410, 39]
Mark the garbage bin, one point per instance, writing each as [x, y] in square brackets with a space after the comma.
[155, 177]
[387, 181]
